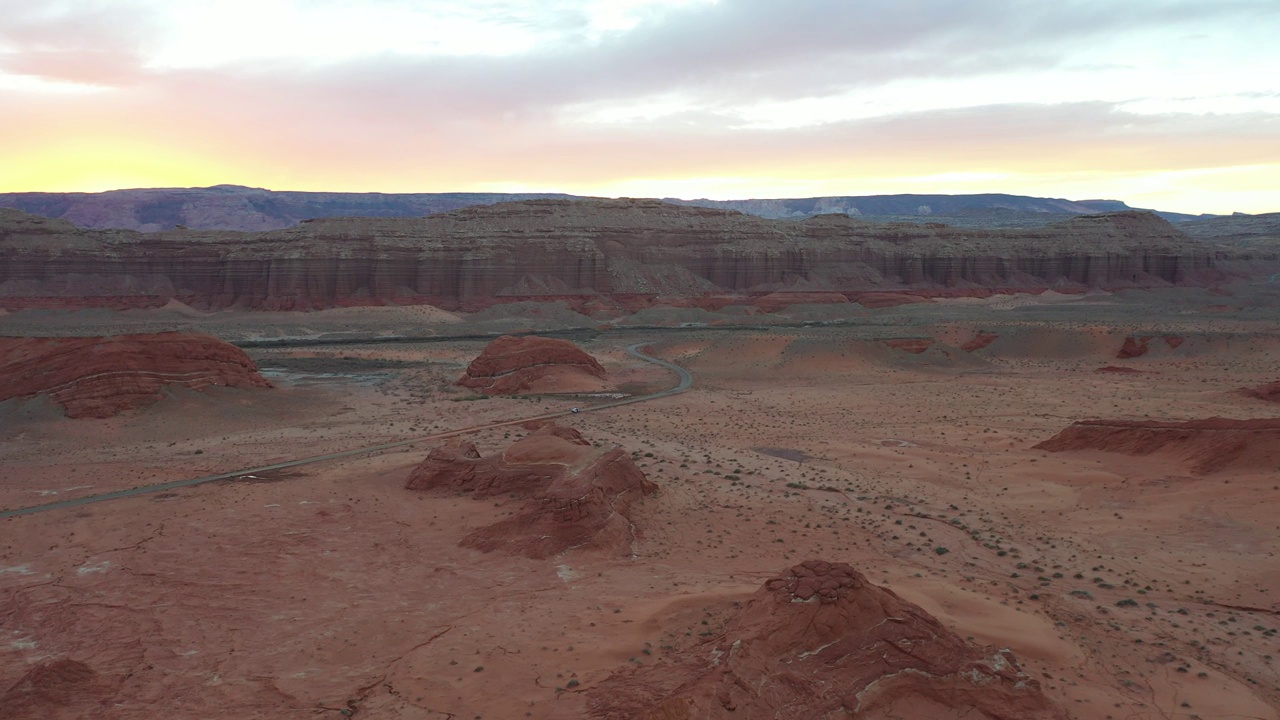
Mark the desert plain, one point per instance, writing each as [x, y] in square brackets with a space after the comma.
[1136, 581]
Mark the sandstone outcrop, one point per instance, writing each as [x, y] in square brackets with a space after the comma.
[54, 689]
[980, 340]
[98, 377]
[1207, 446]
[1269, 392]
[563, 249]
[574, 495]
[915, 346]
[820, 641]
[511, 365]
[1139, 345]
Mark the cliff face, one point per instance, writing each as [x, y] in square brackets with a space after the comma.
[558, 248]
[233, 207]
[98, 377]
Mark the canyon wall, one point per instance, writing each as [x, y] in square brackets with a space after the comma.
[564, 248]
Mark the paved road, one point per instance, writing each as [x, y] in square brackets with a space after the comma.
[686, 379]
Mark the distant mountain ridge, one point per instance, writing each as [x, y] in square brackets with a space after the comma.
[233, 207]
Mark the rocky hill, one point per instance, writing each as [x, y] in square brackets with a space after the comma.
[574, 495]
[511, 365]
[583, 249]
[98, 377]
[233, 207]
[821, 641]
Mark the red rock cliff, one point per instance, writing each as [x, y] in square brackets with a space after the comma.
[98, 377]
[575, 248]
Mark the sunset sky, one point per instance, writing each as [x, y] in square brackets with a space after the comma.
[1162, 103]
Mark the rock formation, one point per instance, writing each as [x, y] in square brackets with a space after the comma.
[980, 340]
[98, 377]
[1139, 345]
[510, 365]
[574, 495]
[1269, 392]
[55, 689]
[234, 207]
[586, 249]
[915, 346]
[820, 641]
[1208, 446]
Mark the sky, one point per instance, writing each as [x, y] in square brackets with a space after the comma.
[1171, 104]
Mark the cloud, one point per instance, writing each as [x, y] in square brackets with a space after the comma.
[79, 41]
[666, 90]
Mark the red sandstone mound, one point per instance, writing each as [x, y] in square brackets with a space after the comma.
[915, 346]
[979, 341]
[819, 641]
[98, 377]
[1207, 445]
[1269, 392]
[511, 365]
[59, 689]
[576, 495]
[1137, 346]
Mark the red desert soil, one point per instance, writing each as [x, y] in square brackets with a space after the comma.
[880, 300]
[821, 641]
[776, 301]
[98, 377]
[575, 495]
[511, 365]
[1124, 585]
[1207, 445]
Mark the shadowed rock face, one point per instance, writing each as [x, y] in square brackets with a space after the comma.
[522, 364]
[1269, 392]
[820, 641]
[620, 249]
[55, 689]
[1206, 445]
[98, 377]
[575, 495]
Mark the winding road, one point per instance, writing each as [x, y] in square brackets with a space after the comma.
[686, 380]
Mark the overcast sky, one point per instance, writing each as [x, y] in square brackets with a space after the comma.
[1163, 103]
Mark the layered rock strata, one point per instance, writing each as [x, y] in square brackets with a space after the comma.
[1206, 446]
[574, 496]
[626, 250]
[821, 641]
[510, 365]
[98, 377]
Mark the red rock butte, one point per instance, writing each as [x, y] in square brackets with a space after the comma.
[575, 495]
[530, 364]
[1207, 446]
[99, 377]
[821, 641]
